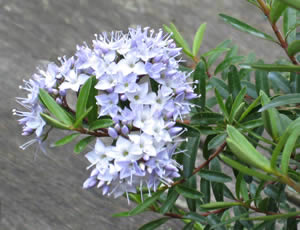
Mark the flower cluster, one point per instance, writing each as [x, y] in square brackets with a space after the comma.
[141, 88]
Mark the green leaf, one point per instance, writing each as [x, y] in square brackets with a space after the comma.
[154, 224]
[278, 81]
[234, 84]
[170, 201]
[288, 150]
[214, 220]
[238, 100]
[262, 82]
[229, 221]
[82, 144]
[101, 124]
[121, 214]
[205, 118]
[205, 189]
[196, 217]
[92, 116]
[82, 101]
[255, 103]
[277, 9]
[188, 192]
[292, 3]
[221, 103]
[245, 27]
[294, 48]
[178, 39]
[227, 62]
[244, 169]
[198, 38]
[216, 141]
[52, 122]
[218, 205]
[146, 204]
[54, 108]
[65, 140]
[274, 217]
[200, 76]
[83, 115]
[216, 55]
[220, 85]
[289, 23]
[282, 100]
[214, 176]
[244, 150]
[189, 157]
[273, 67]
[215, 51]
[189, 226]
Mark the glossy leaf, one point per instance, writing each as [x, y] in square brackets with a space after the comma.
[292, 3]
[215, 51]
[289, 23]
[245, 169]
[221, 86]
[279, 81]
[200, 76]
[254, 104]
[101, 123]
[237, 102]
[196, 217]
[221, 104]
[214, 176]
[53, 122]
[282, 100]
[154, 224]
[190, 155]
[198, 38]
[273, 67]
[294, 48]
[170, 201]
[205, 189]
[92, 116]
[83, 115]
[262, 82]
[146, 204]
[234, 84]
[217, 141]
[245, 27]
[54, 108]
[227, 62]
[218, 205]
[211, 60]
[277, 9]
[65, 140]
[82, 144]
[188, 192]
[273, 217]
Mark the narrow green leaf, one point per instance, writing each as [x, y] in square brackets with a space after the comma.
[189, 226]
[255, 103]
[244, 169]
[277, 9]
[217, 141]
[262, 82]
[289, 24]
[227, 62]
[252, 124]
[215, 51]
[52, 122]
[214, 176]
[288, 149]
[216, 55]
[280, 82]
[245, 27]
[273, 67]
[54, 108]
[65, 140]
[198, 38]
[229, 221]
[251, 88]
[234, 83]
[294, 48]
[214, 220]
[170, 201]
[244, 150]
[273, 217]
[220, 85]
[221, 104]
[238, 100]
[121, 214]
[83, 115]
[146, 204]
[101, 124]
[92, 116]
[82, 144]
[292, 3]
[200, 75]
[189, 157]
[217, 205]
[188, 192]
[282, 100]
[154, 224]
[205, 189]
[82, 101]
[205, 118]
[196, 217]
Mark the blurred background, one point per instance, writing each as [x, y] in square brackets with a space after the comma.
[39, 191]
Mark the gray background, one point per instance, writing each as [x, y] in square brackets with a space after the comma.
[45, 192]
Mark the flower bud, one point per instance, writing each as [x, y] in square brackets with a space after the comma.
[89, 183]
[125, 130]
[112, 133]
